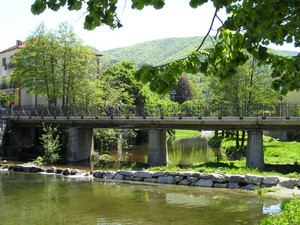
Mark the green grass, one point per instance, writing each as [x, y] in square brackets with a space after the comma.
[281, 159]
[290, 214]
[181, 134]
[282, 152]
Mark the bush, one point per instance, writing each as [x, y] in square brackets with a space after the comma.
[215, 141]
[290, 214]
[50, 144]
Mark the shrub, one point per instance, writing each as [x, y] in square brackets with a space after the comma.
[215, 141]
[50, 144]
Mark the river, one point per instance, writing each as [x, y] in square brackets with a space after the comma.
[184, 151]
[53, 199]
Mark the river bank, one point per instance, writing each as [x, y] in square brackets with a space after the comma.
[271, 185]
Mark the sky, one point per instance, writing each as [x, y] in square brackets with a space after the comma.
[176, 19]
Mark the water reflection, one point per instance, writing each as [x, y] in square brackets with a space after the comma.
[44, 199]
[180, 152]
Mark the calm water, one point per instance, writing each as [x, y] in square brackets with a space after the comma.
[49, 199]
[180, 152]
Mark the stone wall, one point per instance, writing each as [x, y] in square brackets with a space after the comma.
[215, 180]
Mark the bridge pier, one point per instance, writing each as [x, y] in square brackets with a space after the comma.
[81, 144]
[255, 152]
[157, 153]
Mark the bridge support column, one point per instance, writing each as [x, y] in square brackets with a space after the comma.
[255, 153]
[157, 153]
[81, 144]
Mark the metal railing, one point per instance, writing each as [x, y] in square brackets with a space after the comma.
[199, 111]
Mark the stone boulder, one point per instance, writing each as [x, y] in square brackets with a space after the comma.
[253, 179]
[270, 180]
[235, 178]
[144, 174]
[184, 182]
[232, 185]
[158, 174]
[249, 187]
[59, 171]
[205, 175]
[192, 179]
[66, 171]
[109, 175]
[218, 178]
[139, 178]
[98, 174]
[18, 168]
[125, 173]
[151, 180]
[51, 169]
[220, 185]
[204, 183]
[178, 178]
[166, 180]
[298, 182]
[287, 183]
[36, 169]
[119, 176]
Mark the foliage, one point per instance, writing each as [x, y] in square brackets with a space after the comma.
[250, 86]
[50, 144]
[215, 141]
[38, 160]
[290, 214]
[246, 27]
[117, 85]
[182, 91]
[55, 64]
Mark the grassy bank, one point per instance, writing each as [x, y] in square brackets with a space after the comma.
[281, 159]
[181, 134]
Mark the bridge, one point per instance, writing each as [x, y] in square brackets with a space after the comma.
[253, 118]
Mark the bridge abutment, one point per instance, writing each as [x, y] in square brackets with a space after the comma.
[81, 144]
[255, 152]
[157, 153]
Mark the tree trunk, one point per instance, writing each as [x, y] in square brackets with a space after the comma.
[243, 138]
[216, 133]
[237, 143]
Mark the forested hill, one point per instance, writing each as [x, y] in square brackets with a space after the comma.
[157, 52]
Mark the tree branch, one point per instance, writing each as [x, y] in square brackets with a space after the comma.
[202, 42]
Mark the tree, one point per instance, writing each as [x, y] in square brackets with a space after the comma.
[182, 91]
[119, 85]
[250, 88]
[251, 25]
[55, 65]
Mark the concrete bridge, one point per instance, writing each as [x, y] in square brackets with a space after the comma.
[157, 120]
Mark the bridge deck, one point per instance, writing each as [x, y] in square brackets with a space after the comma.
[204, 123]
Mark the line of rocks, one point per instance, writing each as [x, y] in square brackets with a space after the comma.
[249, 182]
[216, 180]
[35, 169]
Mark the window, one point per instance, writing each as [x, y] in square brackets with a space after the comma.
[3, 61]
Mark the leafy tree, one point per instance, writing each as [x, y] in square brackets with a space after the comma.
[251, 24]
[250, 88]
[119, 86]
[55, 65]
[182, 91]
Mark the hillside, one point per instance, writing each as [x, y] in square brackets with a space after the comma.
[155, 52]
[159, 52]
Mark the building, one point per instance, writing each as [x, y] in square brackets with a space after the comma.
[6, 69]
